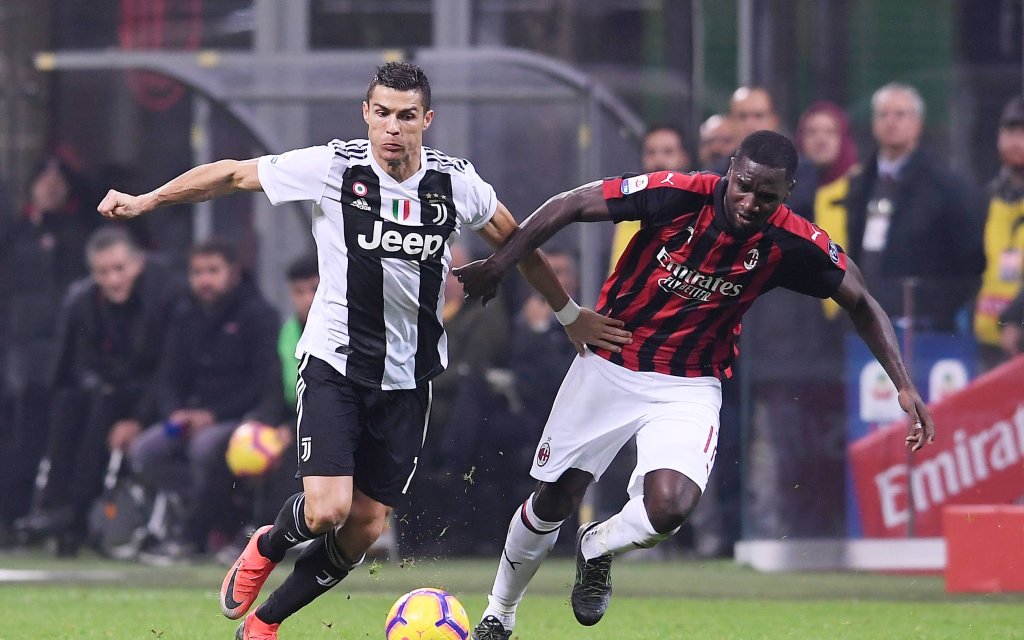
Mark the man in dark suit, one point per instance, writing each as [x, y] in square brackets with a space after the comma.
[913, 226]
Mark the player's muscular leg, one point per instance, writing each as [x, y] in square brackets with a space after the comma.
[669, 498]
[556, 501]
[365, 523]
[328, 501]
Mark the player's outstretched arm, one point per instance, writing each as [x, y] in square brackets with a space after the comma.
[480, 279]
[199, 184]
[583, 326]
[876, 330]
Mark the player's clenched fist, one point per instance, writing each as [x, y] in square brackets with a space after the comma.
[119, 205]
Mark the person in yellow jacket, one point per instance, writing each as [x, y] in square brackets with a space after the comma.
[662, 149]
[1004, 237]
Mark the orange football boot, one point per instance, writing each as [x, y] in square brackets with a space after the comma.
[242, 585]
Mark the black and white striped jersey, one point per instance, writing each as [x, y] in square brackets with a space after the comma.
[383, 250]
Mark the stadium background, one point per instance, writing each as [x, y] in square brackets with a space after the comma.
[594, 74]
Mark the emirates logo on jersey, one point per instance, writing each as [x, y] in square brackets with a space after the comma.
[691, 284]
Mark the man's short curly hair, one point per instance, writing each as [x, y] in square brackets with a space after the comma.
[771, 150]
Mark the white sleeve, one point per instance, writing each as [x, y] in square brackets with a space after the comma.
[481, 200]
[295, 175]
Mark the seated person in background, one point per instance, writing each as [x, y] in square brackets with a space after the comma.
[220, 366]
[111, 334]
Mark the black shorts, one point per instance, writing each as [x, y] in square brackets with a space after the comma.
[346, 429]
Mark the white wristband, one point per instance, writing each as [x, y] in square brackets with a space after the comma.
[568, 313]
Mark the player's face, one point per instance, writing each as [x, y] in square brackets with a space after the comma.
[115, 270]
[663, 151]
[895, 122]
[210, 278]
[301, 293]
[1011, 146]
[754, 193]
[821, 139]
[396, 121]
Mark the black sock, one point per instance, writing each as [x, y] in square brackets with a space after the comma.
[289, 529]
[319, 567]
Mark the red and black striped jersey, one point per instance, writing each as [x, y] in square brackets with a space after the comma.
[684, 282]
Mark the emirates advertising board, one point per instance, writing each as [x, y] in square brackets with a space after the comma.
[977, 456]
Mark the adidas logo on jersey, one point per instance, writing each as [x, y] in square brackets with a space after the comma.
[360, 203]
[410, 245]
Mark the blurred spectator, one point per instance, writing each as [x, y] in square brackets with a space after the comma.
[111, 335]
[478, 340]
[274, 487]
[219, 367]
[662, 149]
[1004, 238]
[823, 138]
[752, 109]
[303, 279]
[468, 424]
[717, 142]
[540, 353]
[540, 358]
[796, 363]
[1011, 335]
[41, 254]
[911, 221]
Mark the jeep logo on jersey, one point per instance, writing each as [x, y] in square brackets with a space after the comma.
[401, 241]
[690, 284]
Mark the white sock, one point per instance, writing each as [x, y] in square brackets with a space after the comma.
[627, 530]
[528, 543]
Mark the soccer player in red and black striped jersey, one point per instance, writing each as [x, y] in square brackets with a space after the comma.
[707, 248]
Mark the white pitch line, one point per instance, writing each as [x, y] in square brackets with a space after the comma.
[17, 575]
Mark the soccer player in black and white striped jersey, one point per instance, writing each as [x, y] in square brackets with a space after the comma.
[385, 211]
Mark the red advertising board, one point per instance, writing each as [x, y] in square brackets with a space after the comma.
[977, 458]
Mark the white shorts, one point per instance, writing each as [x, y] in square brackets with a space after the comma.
[601, 405]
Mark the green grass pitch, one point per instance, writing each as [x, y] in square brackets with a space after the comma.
[93, 599]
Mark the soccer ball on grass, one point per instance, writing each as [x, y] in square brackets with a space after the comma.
[427, 614]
